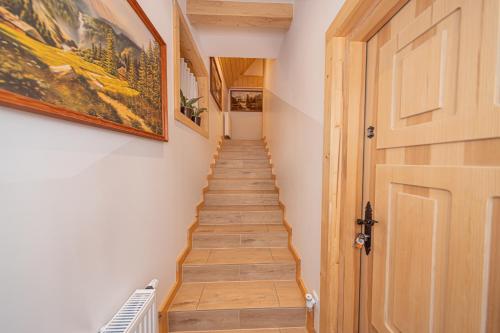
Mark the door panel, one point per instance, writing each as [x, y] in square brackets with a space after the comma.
[432, 172]
[430, 88]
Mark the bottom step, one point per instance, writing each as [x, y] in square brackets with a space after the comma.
[260, 330]
[237, 306]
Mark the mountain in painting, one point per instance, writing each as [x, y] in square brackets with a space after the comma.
[84, 44]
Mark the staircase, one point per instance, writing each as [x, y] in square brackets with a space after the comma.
[240, 275]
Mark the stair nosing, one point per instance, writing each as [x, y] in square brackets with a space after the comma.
[244, 208]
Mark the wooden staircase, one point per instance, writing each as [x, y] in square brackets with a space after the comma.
[240, 275]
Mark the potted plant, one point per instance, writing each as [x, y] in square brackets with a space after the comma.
[187, 105]
[196, 117]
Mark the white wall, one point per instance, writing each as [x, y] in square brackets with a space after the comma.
[89, 215]
[246, 125]
[293, 126]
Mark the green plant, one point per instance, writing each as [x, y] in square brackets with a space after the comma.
[198, 111]
[189, 103]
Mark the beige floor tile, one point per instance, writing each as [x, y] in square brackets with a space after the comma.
[210, 273]
[238, 295]
[289, 294]
[276, 227]
[216, 240]
[277, 317]
[203, 320]
[197, 257]
[242, 228]
[293, 330]
[187, 297]
[240, 256]
[205, 229]
[282, 255]
[265, 239]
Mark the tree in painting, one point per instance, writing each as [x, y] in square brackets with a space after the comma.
[94, 57]
[246, 100]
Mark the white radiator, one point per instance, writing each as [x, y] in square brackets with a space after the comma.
[227, 124]
[137, 315]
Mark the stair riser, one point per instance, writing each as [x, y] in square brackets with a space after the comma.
[240, 217]
[241, 184]
[238, 155]
[241, 164]
[242, 173]
[243, 143]
[244, 272]
[241, 199]
[244, 148]
[250, 240]
[236, 319]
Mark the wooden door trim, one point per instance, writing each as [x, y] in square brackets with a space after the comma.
[345, 72]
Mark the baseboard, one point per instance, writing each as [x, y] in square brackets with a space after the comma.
[295, 254]
[163, 313]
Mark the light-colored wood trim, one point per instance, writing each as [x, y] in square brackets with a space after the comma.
[293, 250]
[185, 47]
[361, 19]
[240, 14]
[163, 314]
[165, 305]
[330, 226]
[345, 72]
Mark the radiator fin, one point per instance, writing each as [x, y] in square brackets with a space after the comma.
[137, 315]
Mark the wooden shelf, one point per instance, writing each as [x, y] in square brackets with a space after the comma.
[185, 47]
[240, 14]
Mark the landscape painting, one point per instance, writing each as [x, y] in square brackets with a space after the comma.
[94, 61]
[246, 100]
[215, 83]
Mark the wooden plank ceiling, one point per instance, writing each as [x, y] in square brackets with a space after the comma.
[233, 70]
[240, 14]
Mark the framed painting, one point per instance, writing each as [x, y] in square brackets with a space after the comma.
[97, 62]
[246, 100]
[215, 83]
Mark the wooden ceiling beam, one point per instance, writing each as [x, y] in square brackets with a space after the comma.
[240, 14]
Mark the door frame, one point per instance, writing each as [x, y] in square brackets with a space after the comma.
[345, 72]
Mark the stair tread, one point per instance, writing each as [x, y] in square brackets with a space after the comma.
[242, 179]
[242, 141]
[260, 330]
[239, 256]
[242, 191]
[242, 208]
[203, 296]
[234, 167]
[239, 228]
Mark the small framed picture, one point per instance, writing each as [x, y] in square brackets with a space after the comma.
[246, 100]
[215, 83]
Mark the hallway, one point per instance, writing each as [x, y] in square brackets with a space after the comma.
[250, 166]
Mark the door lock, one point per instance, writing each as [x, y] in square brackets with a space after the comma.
[364, 239]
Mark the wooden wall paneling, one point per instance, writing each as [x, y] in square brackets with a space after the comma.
[344, 93]
[248, 81]
[240, 14]
[352, 178]
[185, 47]
[233, 68]
[330, 225]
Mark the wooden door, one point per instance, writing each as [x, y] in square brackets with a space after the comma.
[432, 171]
